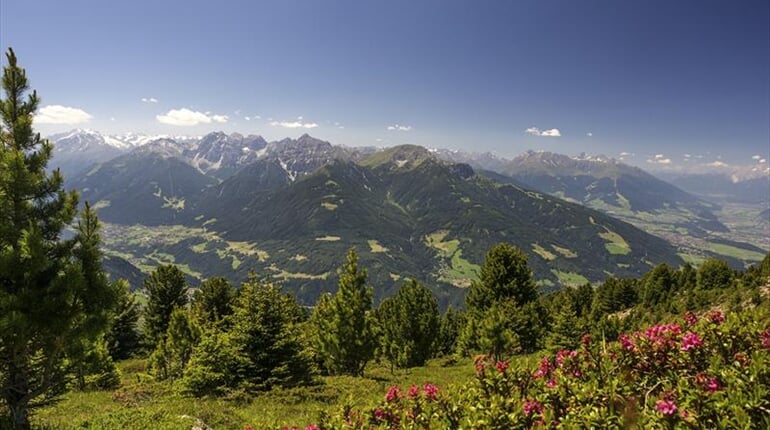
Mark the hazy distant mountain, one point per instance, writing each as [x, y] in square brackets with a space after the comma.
[726, 188]
[79, 149]
[608, 185]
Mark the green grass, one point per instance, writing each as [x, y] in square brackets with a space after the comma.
[566, 252]
[459, 271]
[732, 251]
[142, 403]
[615, 245]
[539, 250]
[569, 278]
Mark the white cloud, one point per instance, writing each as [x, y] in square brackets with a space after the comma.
[659, 159]
[397, 127]
[293, 124]
[626, 154]
[763, 161]
[717, 164]
[756, 157]
[247, 118]
[554, 132]
[187, 117]
[112, 118]
[149, 100]
[687, 155]
[57, 114]
[589, 134]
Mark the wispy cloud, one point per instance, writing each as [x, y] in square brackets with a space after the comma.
[534, 131]
[58, 114]
[149, 100]
[659, 159]
[589, 134]
[756, 157]
[187, 117]
[398, 127]
[718, 163]
[294, 124]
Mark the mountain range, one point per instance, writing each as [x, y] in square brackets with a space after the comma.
[225, 205]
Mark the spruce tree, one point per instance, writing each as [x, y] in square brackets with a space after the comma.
[714, 274]
[213, 300]
[166, 289]
[452, 322]
[174, 350]
[264, 329]
[123, 335]
[53, 293]
[503, 316]
[409, 322]
[345, 327]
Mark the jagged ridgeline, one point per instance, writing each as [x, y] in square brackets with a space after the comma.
[291, 209]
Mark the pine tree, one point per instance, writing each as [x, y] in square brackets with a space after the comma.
[503, 316]
[345, 327]
[409, 322]
[504, 275]
[566, 329]
[714, 274]
[213, 300]
[174, 350]
[123, 335]
[657, 284]
[265, 329]
[53, 293]
[452, 323]
[166, 290]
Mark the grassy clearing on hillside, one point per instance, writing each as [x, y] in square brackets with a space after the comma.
[615, 245]
[459, 272]
[375, 246]
[539, 250]
[570, 278]
[142, 403]
[732, 251]
[565, 252]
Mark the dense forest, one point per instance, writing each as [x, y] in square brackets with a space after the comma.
[611, 355]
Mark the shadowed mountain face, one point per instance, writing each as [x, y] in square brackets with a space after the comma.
[407, 213]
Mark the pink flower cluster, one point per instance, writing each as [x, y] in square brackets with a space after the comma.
[626, 342]
[691, 341]
[709, 383]
[690, 318]
[666, 407]
[716, 317]
[393, 394]
[429, 390]
[765, 337]
[532, 406]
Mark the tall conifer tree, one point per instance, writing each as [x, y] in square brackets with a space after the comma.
[53, 293]
[345, 327]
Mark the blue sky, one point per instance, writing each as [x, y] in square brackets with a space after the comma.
[650, 78]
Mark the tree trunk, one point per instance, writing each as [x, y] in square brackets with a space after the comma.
[20, 416]
[16, 396]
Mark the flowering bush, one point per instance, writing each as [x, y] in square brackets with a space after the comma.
[708, 372]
